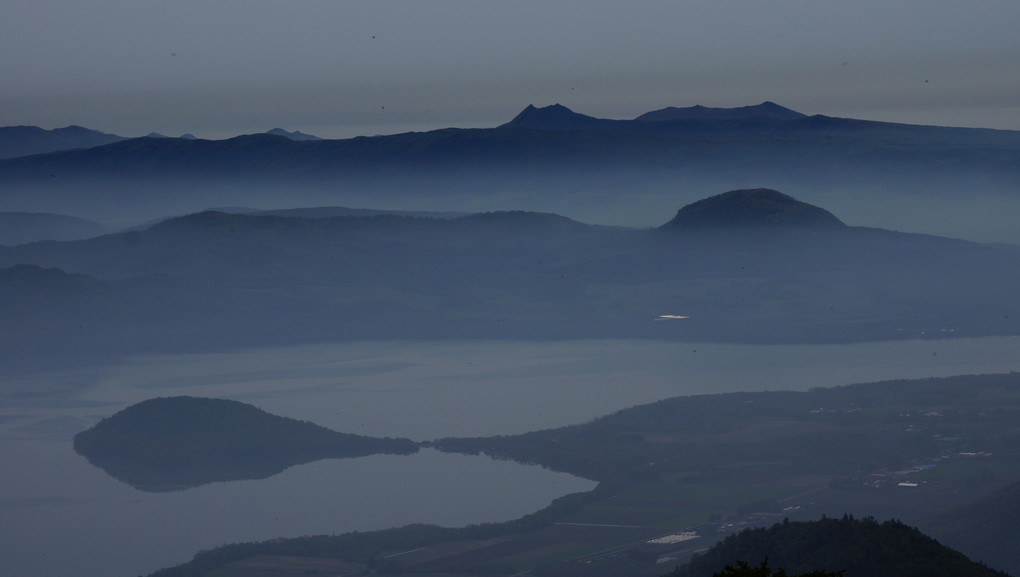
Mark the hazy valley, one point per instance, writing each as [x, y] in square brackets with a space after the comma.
[647, 322]
[192, 283]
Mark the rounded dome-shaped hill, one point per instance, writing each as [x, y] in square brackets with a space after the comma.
[752, 208]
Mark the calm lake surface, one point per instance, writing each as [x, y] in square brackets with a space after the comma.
[59, 515]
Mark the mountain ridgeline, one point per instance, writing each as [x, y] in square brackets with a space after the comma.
[28, 140]
[24, 227]
[552, 159]
[175, 443]
[765, 110]
[700, 120]
[746, 266]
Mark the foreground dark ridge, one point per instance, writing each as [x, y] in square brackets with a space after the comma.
[848, 547]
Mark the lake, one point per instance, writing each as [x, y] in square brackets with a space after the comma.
[59, 515]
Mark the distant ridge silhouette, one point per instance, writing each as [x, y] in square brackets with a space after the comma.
[28, 140]
[559, 117]
[293, 135]
[764, 110]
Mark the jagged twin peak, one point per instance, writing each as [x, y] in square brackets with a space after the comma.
[752, 208]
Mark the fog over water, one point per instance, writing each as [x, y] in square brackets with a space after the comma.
[428, 390]
[54, 501]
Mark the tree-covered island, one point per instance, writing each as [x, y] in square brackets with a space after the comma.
[175, 443]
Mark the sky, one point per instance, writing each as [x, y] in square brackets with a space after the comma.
[337, 69]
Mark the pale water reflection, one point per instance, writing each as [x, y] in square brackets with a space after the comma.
[62, 516]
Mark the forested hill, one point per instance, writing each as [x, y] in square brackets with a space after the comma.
[179, 442]
[860, 547]
[988, 529]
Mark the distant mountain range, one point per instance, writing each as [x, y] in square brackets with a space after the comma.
[18, 141]
[23, 227]
[28, 140]
[949, 181]
[765, 117]
[761, 111]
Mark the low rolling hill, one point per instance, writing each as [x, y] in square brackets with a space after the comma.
[740, 267]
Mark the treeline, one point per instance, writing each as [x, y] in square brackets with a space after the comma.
[857, 547]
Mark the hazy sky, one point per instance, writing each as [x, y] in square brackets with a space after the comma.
[218, 68]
